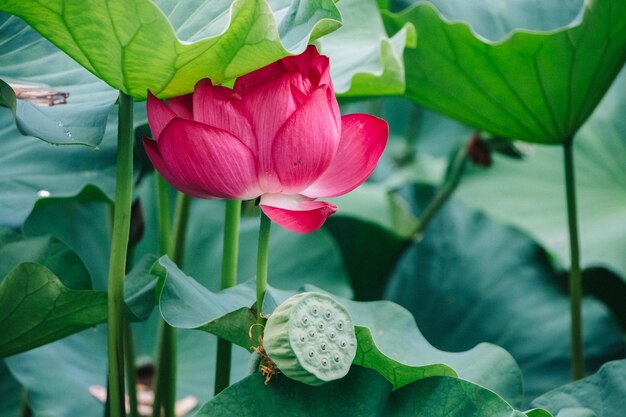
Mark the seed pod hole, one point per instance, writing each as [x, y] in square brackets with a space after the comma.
[343, 344]
[324, 361]
[305, 320]
[332, 335]
[314, 310]
[302, 338]
[320, 326]
[311, 354]
[311, 333]
[323, 346]
[340, 324]
[336, 358]
[328, 314]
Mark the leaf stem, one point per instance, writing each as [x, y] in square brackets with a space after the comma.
[229, 279]
[173, 245]
[119, 246]
[131, 373]
[452, 180]
[163, 211]
[261, 265]
[575, 278]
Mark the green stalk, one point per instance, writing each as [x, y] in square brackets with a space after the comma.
[172, 245]
[119, 245]
[445, 192]
[261, 265]
[179, 228]
[163, 212]
[575, 278]
[131, 373]
[229, 279]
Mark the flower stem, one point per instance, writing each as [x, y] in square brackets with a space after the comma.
[575, 278]
[229, 279]
[119, 246]
[261, 265]
[445, 192]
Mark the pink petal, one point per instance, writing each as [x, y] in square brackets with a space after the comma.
[159, 115]
[182, 106]
[306, 144]
[363, 140]
[152, 150]
[296, 214]
[217, 106]
[209, 160]
[267, 107]
[252, 80]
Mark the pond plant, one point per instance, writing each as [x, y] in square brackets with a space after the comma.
[429, 257]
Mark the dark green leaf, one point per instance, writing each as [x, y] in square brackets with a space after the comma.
[37, 309]
[361, 393]
[369, 254]
[472, 280]
[604, 393]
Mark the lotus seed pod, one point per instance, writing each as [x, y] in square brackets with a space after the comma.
[310, 337]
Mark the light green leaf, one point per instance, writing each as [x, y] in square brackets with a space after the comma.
[536, 87]
[471, 280]
[37, 309]
[135, 47]
[363, 59]
[360, 393]
[389, 340]
[603, 393]
[36, 68]
[529, 194]
[47, 251]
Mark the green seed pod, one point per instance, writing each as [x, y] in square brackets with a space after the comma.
[310, 337]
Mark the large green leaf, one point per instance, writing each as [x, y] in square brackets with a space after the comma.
[363, 59]
[361, 393]
[472, 280]
[537, 87]
[529, 194]
[604, 393]
[37, 309]
[388, 339]
[168, 46]
[30, 62]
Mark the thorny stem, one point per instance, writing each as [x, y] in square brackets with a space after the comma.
[229, 279]
[575, 278]
[119, 246]
[445, 192]
[261, 265]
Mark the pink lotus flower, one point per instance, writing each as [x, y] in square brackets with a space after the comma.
[277, 135]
